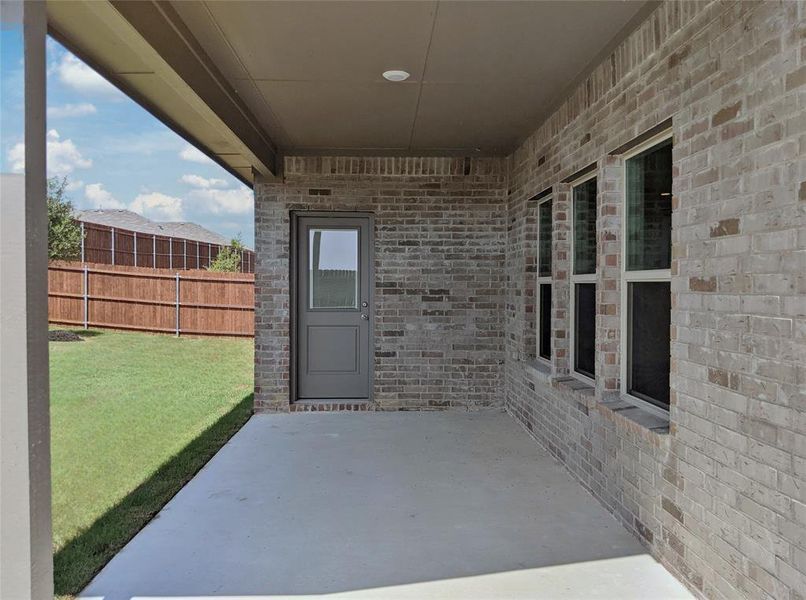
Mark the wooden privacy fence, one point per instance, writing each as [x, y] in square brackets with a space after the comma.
[107, 245]
[187, 302]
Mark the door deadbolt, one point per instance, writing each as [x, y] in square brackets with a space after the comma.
[364, 304]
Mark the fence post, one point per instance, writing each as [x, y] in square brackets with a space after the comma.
[177, 304]
[185, 253]
[170, 253]
[82, 241]
[197, 254]
[209, 254]
[154, 249]
[86, 297]
[113, 245]
[134, 236]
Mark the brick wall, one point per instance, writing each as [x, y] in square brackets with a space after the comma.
[718, 493]
[439, 274]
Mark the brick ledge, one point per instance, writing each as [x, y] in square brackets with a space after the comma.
[610, 405]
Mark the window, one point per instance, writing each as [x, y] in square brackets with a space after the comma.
[333, 268]
[646, 281]
[583, 278]
[544, 239]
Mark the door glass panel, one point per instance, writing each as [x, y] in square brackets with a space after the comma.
[333, 268]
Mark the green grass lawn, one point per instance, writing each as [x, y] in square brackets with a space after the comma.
[133, 417]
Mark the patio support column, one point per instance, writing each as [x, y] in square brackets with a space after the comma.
[26, 563]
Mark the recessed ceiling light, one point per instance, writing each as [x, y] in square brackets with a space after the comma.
[396, 75]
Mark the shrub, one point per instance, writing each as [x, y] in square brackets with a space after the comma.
[64, 234]
[229, 258]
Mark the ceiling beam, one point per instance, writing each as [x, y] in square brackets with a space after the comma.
[143, 101]
[161, 27]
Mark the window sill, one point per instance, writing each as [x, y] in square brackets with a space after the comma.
[612, 404]
[577, 385]
[539, 370]
[645, 416]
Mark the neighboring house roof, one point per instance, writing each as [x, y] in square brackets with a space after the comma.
[192, 231]
[126, 219]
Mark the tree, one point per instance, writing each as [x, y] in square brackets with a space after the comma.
[64, 233]
[229, 258]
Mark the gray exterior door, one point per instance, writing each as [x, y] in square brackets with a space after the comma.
[333, 307]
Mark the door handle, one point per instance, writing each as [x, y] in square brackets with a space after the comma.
[364, 316]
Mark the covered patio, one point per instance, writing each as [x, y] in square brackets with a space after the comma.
[578, 222]
[384, 505]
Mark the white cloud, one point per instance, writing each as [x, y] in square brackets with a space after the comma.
[152, 205]
[141, 141]
[193, 154]
[67, 111]
[75, 74]
[73, 185]
[158, 206]
[98, 197]
[62, 156]
[16, 156]
[201, 182]
[237, 201]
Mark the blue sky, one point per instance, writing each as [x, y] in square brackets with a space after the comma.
[114, 153]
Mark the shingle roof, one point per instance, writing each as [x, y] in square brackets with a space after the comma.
[126, 219]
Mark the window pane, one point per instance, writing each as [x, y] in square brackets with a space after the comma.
[585, 329]
[649, 209]
[650, 314]
[585, 227]
[333, 268]
[544, 239]
[544, 348]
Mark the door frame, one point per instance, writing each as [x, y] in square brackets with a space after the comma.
[293, 293]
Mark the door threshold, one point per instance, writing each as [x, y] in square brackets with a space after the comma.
[332, 401]
[332, 405]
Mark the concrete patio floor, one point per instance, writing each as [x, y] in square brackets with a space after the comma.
[384, 505]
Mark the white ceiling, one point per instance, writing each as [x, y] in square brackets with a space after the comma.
[483, 74]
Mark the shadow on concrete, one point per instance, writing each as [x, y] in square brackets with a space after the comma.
[81, 558]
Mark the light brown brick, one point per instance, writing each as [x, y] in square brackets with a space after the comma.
[726, 114]
[725, 227]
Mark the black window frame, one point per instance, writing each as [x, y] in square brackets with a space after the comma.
[544, 280]
[581, 191]
[632, 277]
